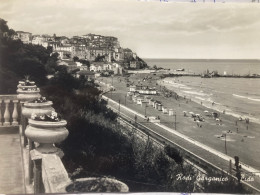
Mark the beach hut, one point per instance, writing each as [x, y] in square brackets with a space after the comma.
[139, 101]
[147, 98]
[144, 103]
[159, 107]
[156, 105]
[165, 110]
[151, 102]
[135, 97]
[171, 112]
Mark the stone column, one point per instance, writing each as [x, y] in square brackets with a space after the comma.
[7, 113]
[1, 113]
[21, 116]
[15, 113]
[30, 166]
[24, 124]
[38, 183]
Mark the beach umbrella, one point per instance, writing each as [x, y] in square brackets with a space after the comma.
[206, 111]
[197, 114]
[191, 112]
[217, 119]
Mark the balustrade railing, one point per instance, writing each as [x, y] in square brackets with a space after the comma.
[9, 110]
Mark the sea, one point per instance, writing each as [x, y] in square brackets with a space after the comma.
[239, 97]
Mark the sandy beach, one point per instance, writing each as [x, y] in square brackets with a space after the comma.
[241, 139]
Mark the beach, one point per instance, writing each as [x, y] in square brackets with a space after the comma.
[242, 139]
[238, 97]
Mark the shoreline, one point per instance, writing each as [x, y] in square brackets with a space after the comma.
[208, 105]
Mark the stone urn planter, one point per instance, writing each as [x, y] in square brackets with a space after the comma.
[27, 90]
[95, 184]
[38, 106]
[26, 83]
[46, 133]
[27, 94]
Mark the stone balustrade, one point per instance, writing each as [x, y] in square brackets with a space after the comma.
[9, 111]
[45, 168]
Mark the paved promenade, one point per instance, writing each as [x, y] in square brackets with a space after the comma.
[11, 167]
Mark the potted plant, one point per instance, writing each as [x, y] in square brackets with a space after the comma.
[27, 90]
[37, 106]
[26, 83]
[46, 129]
[96, 184]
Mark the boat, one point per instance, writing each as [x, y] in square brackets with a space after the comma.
[180, 69]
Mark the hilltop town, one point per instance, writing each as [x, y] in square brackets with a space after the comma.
[99, 53]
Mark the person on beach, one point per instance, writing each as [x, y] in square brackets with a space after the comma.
[213, 103]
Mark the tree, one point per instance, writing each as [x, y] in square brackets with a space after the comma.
[85, 63]
[174, 154]
[4, 29]
[238, 167]
[65, 80]
[75, 58]
[99, 58]
[50, 49]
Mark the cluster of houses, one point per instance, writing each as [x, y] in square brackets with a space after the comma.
[87, 47]
[100, 67]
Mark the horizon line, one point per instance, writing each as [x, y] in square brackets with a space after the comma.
[201, 58]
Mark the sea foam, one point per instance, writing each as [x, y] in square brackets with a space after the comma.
[245, 97]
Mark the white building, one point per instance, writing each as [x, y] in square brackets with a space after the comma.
[25, 37]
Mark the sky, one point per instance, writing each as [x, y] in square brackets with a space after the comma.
[152, 29]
